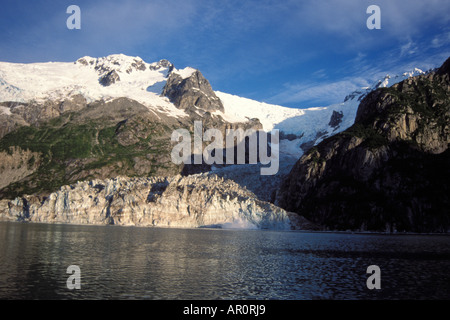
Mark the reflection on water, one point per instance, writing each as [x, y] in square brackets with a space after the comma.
[144, 263]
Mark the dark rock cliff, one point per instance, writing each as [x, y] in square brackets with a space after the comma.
[192, 93]
[389, 171]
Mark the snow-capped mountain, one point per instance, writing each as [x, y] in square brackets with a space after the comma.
[119, 75]
[104, 79]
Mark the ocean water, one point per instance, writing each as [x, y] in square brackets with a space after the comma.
[212, 264]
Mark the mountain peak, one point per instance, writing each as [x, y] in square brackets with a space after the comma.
[162, 64]
[118, 63]
[185, 73]
[387, 81]
[189, 90]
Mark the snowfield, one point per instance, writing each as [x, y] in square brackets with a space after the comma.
[59, 80]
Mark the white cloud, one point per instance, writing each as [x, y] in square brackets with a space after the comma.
[347, 18]
[318, 93]
[320, 74]
[409, 48]
[441, 40]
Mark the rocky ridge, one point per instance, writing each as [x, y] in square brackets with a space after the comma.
[192, 93]
[389, 171]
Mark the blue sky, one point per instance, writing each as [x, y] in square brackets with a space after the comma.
[300, 53]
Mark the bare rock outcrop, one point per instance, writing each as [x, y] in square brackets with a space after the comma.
[17, 164]
[192, 93]
[109, 78]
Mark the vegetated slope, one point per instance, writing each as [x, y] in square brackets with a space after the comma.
[101, 140]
